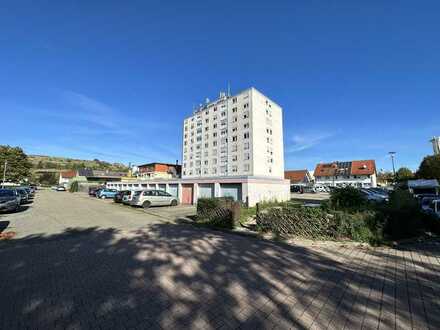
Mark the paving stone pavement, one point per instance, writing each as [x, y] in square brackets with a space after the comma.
[173, 276]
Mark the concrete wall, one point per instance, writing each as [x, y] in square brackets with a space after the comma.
[266, 192]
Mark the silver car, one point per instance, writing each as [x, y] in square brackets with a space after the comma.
[149, 198]
[128, 197]
[9, 200]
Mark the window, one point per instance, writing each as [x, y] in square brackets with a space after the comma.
[247, 156]
[223, 132]
[234, 129]
[214, 134]
[163, 193]
[223, 113]
[199, 138]
[214, 144]
[224, 140]
[234, 138]
[234, 147]
[234, 100]
[205, 162]
[224, 159]
[214, 170]
[223, 122]
[246, 105]
[205, 171]
[234, 158]
[246, 145]
[246, 115]
[246, 125]
[223, 169]
[234, 168]
[234, 110]
[235, 119]
[215, 108]
[206, 154]
[246, 135]
[214, 160]
[247, 167]
[223, 150]
[214, 126]
[206, 136]
[206, 145]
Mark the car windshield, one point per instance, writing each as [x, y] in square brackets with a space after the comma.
[6, 193]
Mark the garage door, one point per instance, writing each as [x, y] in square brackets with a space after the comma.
[206, 190]
[162, 186]
[231, 190]
[187, 194]
[173, 189]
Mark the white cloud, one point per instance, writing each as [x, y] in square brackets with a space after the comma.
[300, 142]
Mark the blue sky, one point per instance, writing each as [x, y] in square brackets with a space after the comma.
[114, 79]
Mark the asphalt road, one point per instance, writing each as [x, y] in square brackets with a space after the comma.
[53, 212]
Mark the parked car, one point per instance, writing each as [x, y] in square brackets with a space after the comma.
[9, 200]
[29, 191]
[94, 190]
[372, 196]
[106, 193]
[149, 198]
[126, 199]
[120, 195]
[431, 206]
[61, 188]
[24, 197]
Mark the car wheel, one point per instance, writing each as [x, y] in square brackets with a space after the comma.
[146, 204]
[103, 197]
[173, 202]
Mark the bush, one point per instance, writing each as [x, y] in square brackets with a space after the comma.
[359, 226]
[74, 187]
[348, 198]
[401, 217]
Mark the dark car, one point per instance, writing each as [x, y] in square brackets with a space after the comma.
[9, 200]
[119, 195]
[94, 190]
[24, 196]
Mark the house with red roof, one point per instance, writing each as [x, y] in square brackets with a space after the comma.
[66, 176]
[299, 177]
[355, 173]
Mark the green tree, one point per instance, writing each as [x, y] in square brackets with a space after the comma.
[18, 166]
[404, 173]
[429, 168]
[48, 178]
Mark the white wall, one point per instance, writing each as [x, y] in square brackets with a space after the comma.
[266, 192]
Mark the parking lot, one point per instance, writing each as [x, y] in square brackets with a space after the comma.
[53, 212]
[83, 263]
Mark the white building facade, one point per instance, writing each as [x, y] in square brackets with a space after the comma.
[239, 135]
[233, 147]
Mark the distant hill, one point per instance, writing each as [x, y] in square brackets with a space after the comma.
[40, 162]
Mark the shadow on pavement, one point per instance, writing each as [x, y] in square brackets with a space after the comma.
[177, 276]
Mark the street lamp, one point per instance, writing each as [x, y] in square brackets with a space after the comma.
[392, 153]
[4, 173]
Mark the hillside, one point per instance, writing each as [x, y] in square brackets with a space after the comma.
[62, 163]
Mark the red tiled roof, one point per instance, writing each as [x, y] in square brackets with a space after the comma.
[328, 169]
[363, 167]
[354, 167]
[68, 174]
[295, 175]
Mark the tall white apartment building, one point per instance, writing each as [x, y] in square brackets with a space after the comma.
[240, 135]
[232, 147]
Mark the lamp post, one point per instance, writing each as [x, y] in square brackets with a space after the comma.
[392, 154]
[4, 173]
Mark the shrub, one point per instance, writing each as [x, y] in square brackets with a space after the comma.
[401, 217]
[358, 226]
[347, 198]
[74, 187]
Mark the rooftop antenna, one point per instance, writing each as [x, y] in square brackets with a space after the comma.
[229, 89]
